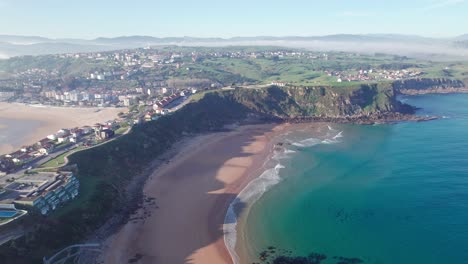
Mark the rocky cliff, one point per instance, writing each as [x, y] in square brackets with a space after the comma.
[326, 102]
[430, 85]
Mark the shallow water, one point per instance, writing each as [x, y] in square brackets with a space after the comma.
[383, 194]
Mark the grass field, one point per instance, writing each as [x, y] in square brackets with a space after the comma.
[312, 71]
[121, 130]
[60, 160]
[200, 95]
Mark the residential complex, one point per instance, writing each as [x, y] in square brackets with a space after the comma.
[44, 191]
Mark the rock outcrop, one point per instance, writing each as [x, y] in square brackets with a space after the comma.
[429, 85]
[321, 102]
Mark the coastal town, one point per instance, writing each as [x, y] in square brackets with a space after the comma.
[94, 134]
[36, 177]
[131, 77]
[373, 75]
[134, 75]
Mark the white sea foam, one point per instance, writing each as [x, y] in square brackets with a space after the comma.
[307, 142]
[257, 187]
[339, 135]
[251, 193]
[334, 139]
[331, 138]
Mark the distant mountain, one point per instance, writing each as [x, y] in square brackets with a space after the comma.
[22, 40]
[154, 40]
[338, 37]
[388, 43]
[127, 39]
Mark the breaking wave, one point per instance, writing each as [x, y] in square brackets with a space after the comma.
[251, 193]
[257, 187]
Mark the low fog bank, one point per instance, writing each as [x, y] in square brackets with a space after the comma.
[433, 49]
[436, 51]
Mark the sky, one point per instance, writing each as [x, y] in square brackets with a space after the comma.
[217, 18]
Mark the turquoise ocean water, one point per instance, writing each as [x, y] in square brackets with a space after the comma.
[383, 194]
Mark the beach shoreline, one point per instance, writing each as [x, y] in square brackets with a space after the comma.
[51, 120]
[266, 177]
[184, 212]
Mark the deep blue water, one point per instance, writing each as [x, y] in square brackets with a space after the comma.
[383, 194]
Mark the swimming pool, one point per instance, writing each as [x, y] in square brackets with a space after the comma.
[7, 214]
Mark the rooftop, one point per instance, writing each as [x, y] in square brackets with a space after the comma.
[31, 186]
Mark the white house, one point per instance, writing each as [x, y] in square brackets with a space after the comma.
[63, 139]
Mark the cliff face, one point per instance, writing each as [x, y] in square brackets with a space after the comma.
[430, 85]
[297, 102]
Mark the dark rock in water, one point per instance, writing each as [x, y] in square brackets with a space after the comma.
[376, 118]
[285, 257]
[343, 260]
[264, 255]
[314, 258]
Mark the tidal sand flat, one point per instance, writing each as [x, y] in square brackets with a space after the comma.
[13, 133]
[192, 193]
[24, 125]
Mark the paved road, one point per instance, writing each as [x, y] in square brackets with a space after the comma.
[179, 106]
[57, 152]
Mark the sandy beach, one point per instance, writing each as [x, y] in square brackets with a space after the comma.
[192, 193]
[51, 120]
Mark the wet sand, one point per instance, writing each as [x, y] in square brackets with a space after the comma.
[51, 120]
[192, 193]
